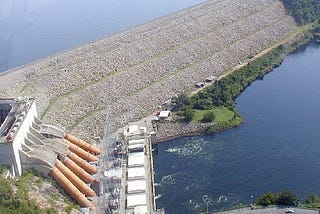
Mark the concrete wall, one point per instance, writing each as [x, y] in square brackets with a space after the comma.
[7, 156]
[20, 136]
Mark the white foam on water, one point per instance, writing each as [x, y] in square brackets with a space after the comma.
[168, 179]
[191, 148]
[222, 198]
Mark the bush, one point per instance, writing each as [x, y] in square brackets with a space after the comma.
[287, 198]
[282, 198]
[268, 198]
[208, 117]
[188, 114]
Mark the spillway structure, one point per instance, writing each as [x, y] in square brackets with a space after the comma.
[27, 142]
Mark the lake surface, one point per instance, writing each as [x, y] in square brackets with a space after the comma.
[277, 148]
[33, 29]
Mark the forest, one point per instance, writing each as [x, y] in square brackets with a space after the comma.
[304, 11]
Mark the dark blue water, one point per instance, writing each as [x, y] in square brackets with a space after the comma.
[33, 29]
[277, 148]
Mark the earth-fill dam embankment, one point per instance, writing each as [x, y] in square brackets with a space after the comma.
[127, 75]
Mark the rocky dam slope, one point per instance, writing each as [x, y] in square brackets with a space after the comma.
[102, 85]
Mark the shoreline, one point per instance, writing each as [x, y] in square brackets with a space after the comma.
[178, 130]
[194, 133]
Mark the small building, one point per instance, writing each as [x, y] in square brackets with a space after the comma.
[211, 78]
[200, 84]
[164, 114]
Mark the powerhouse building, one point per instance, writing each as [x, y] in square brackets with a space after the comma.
[27, 142]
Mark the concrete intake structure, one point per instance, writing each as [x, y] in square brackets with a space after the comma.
[130, 73]
[26, 142]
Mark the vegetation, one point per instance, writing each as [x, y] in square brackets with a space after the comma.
[303, 11]
[288, 198]
[313, 201]
[216, 103]
[317, 32]
[18, 202]
[224, 92]
[282, 198]
[208, 116]
[219, 98]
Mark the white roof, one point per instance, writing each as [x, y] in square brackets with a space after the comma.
[136, 185]
[136, 172]
[133, 128]
[140, 210]
[136, 200]
[136, 158]
[164, 114]
[136, 146]
[139, 141]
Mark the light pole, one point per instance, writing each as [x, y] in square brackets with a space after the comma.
[251, 200]
[207, 201]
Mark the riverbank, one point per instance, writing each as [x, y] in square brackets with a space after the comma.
[236, 80]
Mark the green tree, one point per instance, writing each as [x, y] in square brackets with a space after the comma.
[303, 11]
[182, 100]
[312, 199]
[268, 198]
[188, 114]
[287, 198]
[208, 117]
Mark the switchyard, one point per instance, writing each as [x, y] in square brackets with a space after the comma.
[127, 180]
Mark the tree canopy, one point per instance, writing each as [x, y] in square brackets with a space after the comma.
[303, 11]
[18, 202]
[282, 198]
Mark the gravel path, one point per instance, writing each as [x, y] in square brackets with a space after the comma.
[130, 73]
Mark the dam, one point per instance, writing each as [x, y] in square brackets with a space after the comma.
[95, 89]
[132, 72]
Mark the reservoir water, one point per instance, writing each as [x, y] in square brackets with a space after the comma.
[277, 148]
[33, 29]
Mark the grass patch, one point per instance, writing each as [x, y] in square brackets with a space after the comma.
[222, 114]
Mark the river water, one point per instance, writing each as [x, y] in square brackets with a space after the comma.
[33, 29]
[277, 148]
